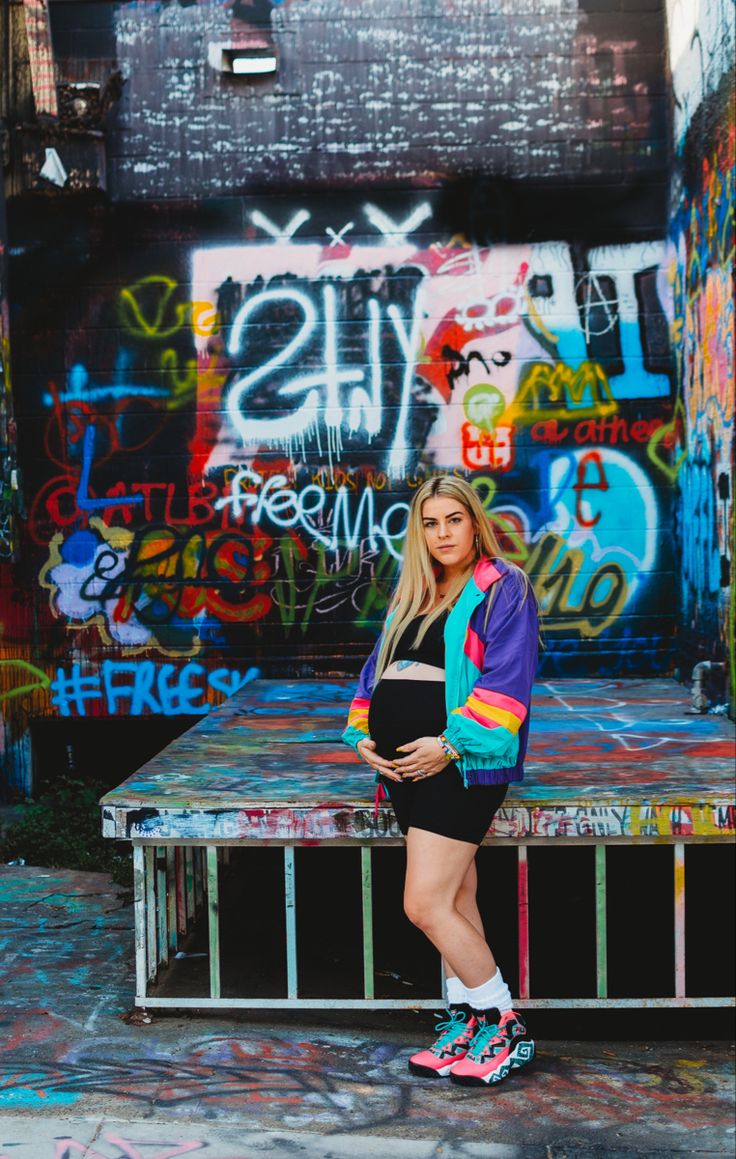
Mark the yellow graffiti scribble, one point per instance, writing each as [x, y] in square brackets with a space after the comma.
[555, 390]
[152, 296]
[721, 191]
[514, 547]
[205, 319]
[696, 1084]
[53, 561]
[553, 581]
[485, 485]
[181, 387]
[648, 820]
[118, 537]
[5, 363]
[457, 241]
[536, 322]
[487, 482]
[42, 680]
[653, 446]
[210, 382]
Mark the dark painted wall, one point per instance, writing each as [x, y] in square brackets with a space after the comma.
[226, 402]
[386, 90]
[702, 39]
[8, 469]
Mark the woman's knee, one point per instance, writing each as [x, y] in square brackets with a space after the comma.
[423, 908]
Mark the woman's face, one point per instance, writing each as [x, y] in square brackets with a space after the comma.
[449, 533]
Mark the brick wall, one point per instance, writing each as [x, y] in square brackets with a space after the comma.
[702, 41]
[390, 91]
[226, 395]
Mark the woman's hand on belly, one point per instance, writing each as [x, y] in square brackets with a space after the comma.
[425, 755]
[367, 749]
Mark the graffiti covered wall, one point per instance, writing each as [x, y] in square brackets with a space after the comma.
[8, 470]
[220, 449]
[702, 38]
[225, 403]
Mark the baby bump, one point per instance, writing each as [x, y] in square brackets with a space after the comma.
[403, 710]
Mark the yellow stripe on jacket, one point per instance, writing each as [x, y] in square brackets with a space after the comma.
[489, 715]
[358, 715]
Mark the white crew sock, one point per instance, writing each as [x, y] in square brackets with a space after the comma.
[455, 990]
[492, 993]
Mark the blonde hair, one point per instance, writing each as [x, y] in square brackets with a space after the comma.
[417, 584]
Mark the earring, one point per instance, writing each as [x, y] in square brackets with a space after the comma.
[477, 543]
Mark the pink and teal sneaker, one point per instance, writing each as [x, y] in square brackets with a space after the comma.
[455, 1036]
[495, 1051]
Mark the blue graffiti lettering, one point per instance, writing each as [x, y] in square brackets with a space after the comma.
[83, 499]
[79, 388]
[137, 687]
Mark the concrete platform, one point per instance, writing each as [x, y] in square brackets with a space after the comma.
[607, 760]
[76, 1078]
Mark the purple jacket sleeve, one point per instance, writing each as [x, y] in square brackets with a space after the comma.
[488, 722]
[357, 726]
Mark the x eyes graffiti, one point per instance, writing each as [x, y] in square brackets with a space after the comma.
[221, 472]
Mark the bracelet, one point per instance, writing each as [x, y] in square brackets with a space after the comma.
[449, 750]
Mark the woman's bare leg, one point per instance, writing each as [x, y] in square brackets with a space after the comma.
[435, 870]
[466, 903]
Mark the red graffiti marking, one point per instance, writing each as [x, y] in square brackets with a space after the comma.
[65, 429]
[549, 431]
[182, 575]
[494, 449]
[582, 484]
[615, 429]
[608, 431]
[160, 503]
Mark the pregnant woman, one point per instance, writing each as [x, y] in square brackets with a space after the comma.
[442, 714]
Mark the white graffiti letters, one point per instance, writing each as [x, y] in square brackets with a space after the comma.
[324, 404]
[276, 503]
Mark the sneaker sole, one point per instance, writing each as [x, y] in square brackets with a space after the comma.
[428, 1072]
[512, 1063]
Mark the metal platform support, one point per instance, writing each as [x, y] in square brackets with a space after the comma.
[177, 886]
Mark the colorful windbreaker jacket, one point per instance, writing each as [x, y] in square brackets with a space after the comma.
[490, 664]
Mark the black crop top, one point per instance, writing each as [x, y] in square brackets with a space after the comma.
[432, 648]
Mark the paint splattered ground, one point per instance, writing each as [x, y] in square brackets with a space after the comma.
[72, 1070]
